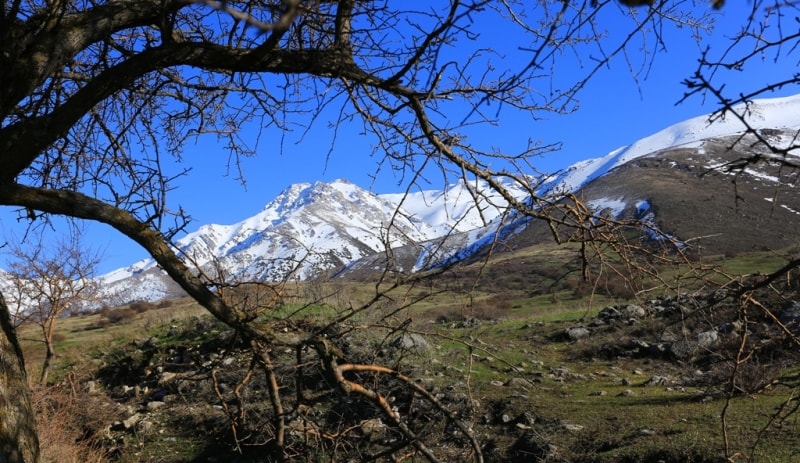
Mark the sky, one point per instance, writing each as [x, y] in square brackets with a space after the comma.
[614, 111]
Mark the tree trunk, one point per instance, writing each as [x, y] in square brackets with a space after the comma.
[48, 357]
[18, 440]
[47, 331]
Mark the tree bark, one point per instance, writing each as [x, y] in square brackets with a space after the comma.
[50, 352]
[19, 442]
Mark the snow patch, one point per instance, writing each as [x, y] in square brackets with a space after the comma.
[613, 207]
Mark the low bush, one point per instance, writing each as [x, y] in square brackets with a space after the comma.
[71, 423]
[141, 306]
[120, 315]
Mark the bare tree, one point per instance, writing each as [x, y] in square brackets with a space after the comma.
[49, 281]
[84, 86]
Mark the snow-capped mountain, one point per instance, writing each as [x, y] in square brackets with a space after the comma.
[776, 113]
[313, 229]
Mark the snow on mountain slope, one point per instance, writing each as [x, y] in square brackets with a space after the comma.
[776, 113]
[313, 228]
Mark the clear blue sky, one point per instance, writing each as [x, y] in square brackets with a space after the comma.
[613, 111]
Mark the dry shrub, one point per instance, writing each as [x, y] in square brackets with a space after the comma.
[493, 308]
[141, 306]
[71, 425]
[120, 315]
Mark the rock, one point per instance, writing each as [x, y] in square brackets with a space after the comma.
[577, 333]
[572, 427]
[91, 387]
[373, 429]
[468, 322]
[145, 427]
[563, 373]
[657, 380]
[154, 405]
[608, 314]
[633, 311]
[166, 377]
[131, 422]
[521, 383]
[411, 341]
[706, 339]
[682, 349]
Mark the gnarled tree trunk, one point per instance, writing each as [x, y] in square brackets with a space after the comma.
[18, 440]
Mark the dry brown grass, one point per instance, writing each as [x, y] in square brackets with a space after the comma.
[71, 424]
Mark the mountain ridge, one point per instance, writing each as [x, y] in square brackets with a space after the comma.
[313, 229]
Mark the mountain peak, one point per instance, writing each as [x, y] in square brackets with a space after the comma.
[313, 228]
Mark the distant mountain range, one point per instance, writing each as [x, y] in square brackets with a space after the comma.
[319, 229]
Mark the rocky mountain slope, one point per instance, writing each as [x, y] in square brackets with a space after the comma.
[311, 230]
[678, 177]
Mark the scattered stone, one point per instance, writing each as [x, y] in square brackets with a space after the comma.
[633, 311]
[469, 322]
[91, 387]
[411, 341]
[145, 426]
[657, 380]
[683, 349]
[706, 339]
[373, 429]
[627, 393]
[577, 333]
[598, 393]
[521, 383]
[166, 378]
[131, 422]
[154, 405]
[572, 427]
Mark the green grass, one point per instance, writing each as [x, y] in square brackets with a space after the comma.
[519, 336]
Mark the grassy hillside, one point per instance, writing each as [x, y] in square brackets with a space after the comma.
[539, 371]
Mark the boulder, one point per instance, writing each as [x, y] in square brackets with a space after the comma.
[577, 333]
[411, 341]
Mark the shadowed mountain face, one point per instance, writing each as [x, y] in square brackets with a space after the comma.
[695, 198]
[688, 193]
